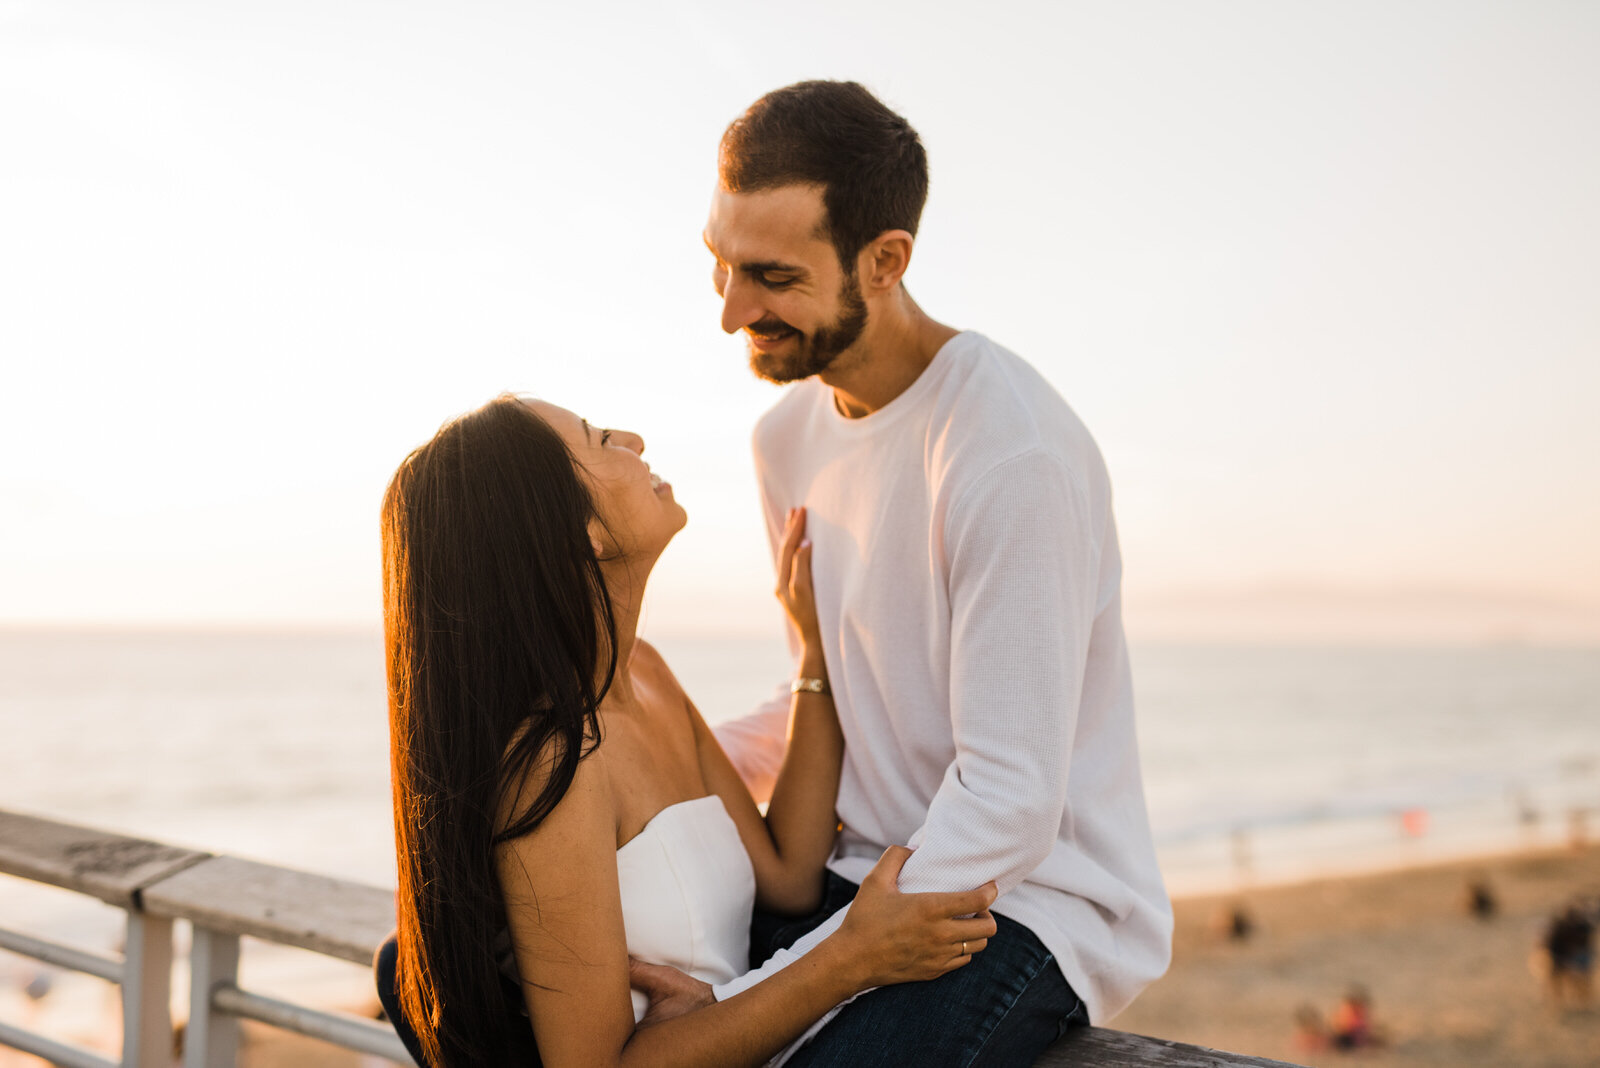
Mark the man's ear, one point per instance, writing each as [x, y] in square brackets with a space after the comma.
[884, 260]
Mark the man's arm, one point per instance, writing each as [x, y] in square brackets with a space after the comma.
[1025, 552]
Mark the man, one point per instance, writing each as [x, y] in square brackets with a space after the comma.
[967, 579]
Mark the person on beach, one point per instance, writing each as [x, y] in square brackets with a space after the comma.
[1568, 944]
[559, 802]
[1351, 1027]
[967, 587]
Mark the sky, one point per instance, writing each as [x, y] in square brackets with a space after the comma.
[1323, 280]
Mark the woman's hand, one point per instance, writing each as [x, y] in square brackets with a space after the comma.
[672, 993]
[898, 938]
[794, 581]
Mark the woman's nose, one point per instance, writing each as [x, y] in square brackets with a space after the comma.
[630, 440]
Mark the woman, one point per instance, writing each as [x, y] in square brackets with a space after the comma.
[553, 783]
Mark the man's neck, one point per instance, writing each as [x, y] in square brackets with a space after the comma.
[893, 351]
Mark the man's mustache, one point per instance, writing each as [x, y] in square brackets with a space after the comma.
[770, 327]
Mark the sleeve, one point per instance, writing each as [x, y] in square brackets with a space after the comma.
[777, 962]
[1024, 559]
[755, 742]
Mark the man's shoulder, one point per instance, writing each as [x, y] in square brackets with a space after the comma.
[994, 408]
[998, 383]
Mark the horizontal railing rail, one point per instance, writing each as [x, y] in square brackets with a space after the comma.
[222, 898]
[226, 898]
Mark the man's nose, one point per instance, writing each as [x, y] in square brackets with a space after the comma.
[741, 304]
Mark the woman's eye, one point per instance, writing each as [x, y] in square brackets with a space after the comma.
[605, 436]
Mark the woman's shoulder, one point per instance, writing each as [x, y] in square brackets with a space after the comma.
[647, 658]
[527, 776]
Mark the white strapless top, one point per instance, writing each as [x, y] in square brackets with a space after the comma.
[687, 893]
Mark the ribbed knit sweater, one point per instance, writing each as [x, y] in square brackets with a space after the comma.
[967, 580]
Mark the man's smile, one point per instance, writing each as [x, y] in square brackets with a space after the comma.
[766, 341]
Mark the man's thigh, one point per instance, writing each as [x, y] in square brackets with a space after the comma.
[1002, 1009]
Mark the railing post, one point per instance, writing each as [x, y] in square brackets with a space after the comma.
[147, 992]
[212, 1038]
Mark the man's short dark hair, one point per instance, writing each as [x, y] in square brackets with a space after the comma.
[869, 161]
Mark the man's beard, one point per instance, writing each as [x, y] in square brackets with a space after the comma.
[814, 352]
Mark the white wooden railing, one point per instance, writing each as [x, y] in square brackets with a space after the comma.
[224, 898]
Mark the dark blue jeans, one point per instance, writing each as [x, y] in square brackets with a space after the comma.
[1001, 1010]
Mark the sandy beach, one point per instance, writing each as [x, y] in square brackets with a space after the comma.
[1448, 989]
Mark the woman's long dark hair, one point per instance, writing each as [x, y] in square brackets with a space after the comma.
[500, 639]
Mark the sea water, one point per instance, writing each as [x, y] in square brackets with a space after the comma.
[1260, 762]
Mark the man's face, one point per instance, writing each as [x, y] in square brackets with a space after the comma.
[780, 280]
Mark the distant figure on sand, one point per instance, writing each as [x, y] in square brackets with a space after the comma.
[1479, 898]
[1310, 1031]
[1352, 1021]
[1569, 945]
[1233, 922]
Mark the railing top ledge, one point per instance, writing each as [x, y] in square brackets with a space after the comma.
[111, 867]
[326, 915]
[1100, 1047]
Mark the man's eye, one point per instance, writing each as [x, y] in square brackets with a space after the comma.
[776, 281]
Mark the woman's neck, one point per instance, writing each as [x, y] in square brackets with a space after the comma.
[626, 583]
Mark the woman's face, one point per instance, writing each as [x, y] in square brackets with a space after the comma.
[640, 515]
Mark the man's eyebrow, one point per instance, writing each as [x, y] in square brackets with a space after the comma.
[760, 266]
[763, 266]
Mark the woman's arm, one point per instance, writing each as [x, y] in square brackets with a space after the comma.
[564, 910]
[790, 846]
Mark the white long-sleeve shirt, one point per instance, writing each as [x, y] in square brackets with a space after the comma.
[967, 578]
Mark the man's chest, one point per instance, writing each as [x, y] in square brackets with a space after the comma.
[876, 521]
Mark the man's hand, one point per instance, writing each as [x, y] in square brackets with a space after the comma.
[671, 992]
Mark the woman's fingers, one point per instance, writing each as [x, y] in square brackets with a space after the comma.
[959, 940]
[970, 931]
[793, 532]
[800, 571]
[886, 873]
[961, 902]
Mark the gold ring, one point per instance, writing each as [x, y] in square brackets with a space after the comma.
[963, 948]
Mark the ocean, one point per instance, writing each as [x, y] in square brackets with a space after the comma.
[1261, 763]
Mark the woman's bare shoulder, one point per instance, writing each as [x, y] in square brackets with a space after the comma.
[647, 659]
[524, 781]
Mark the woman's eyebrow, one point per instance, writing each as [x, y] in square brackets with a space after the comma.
[585, 423]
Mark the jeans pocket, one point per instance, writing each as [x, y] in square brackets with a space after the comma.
[1078, 1017]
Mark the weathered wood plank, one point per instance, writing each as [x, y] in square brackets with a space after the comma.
[341, 919]
[110, 867]
[1100, 1047]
